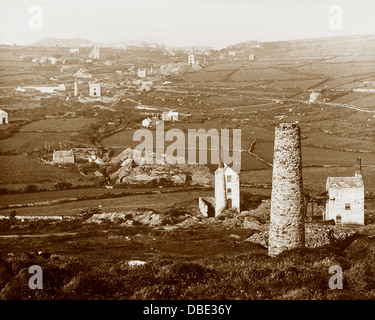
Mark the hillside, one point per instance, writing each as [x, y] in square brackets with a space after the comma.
[58, 42]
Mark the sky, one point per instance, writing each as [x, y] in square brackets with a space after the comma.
[215, 23]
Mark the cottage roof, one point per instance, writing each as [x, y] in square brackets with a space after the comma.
[344, 182]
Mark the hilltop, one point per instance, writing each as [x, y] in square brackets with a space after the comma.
[59, 42]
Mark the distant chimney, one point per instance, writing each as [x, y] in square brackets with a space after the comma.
[358, 168]
[75, 86]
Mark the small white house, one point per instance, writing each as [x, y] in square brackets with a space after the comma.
[146, 122]
[315, 96]
[169, 116]
[95, 90]
[150, 122]
[346, 197]
[146, 86]
[3, 117]
[142, 72]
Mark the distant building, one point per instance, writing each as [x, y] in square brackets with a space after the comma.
[191, 59]
[146, 85]
[75, 86]
[232, 53]
[95, 53]
[52, 60]
[150, 122]
[63, 156]
[345, 203]
[95, 90]
[251, 57]
[88, 154]
[142, 72]
[74, 50]
[81, 73]
[364, 90]
[315, 96]
[146, 122]
[3, 117]
[169, 116]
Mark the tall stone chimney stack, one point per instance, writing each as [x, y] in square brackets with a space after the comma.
[358, 168]
[287, 228]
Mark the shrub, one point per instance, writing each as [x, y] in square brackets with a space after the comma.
[61, 185]
[30, 188]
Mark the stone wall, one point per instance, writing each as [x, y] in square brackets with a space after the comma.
[287, 229]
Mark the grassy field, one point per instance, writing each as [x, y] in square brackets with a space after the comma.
[23, 142]
[58, 125]
[130, 202]
[19, 169]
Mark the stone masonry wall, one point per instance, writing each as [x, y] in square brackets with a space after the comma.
[287, 228]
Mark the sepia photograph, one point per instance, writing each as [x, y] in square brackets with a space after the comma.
[197, 152]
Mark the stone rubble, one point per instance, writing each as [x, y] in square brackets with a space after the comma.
[316, 236]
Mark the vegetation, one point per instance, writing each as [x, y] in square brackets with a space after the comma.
[297, 274]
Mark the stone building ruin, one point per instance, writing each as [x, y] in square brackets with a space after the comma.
[94, 90]
[287, 228]
[227, 192]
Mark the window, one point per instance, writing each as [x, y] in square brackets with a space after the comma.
[229, 191]
[347, 206]
[229, 178]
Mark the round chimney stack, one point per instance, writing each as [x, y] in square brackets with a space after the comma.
[287, 228]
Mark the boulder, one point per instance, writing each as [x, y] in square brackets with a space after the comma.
[252, 223]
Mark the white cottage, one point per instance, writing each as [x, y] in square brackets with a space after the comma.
[3, 117]
[346, 198]
[142, 72]
[169, 116]
[315, 96]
